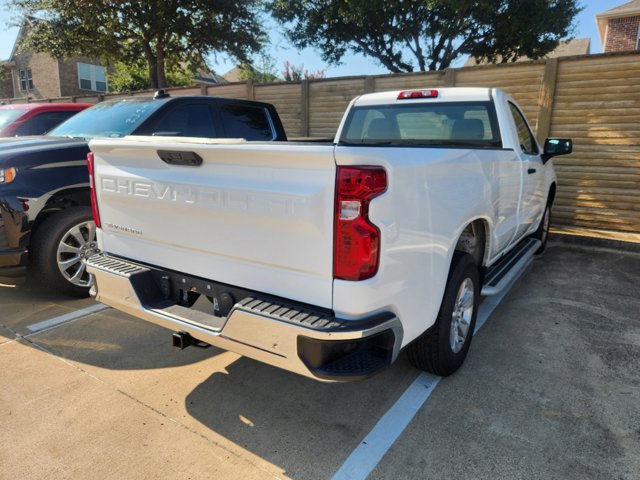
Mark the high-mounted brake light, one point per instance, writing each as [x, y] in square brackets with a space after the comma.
[92, 184]
[409, 94]
[357, 240]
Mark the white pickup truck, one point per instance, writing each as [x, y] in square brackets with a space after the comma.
[328, 259]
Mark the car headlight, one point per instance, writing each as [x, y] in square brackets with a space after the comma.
[7, 175]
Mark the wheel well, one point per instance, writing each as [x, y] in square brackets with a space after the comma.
[72, 197]
[473, 240]
[552, 194]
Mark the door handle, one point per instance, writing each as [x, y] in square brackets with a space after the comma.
[531, 170]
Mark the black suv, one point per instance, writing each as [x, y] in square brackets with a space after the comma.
[45, 213]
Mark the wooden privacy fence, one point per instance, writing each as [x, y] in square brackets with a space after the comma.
[593, 99]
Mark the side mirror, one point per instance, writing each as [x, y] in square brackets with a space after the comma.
[556, 146]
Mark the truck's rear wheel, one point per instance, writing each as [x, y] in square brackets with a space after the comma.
[59, 248]
[442, 349]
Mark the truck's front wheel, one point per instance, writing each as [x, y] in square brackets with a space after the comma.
[542, 233]
[442, 349]
[59, 248]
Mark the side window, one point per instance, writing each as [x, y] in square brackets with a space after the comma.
[525, 137]
[190, 120]
[243, 121]
[43, 123]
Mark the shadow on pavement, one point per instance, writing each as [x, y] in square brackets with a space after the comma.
[31, 291]
[306, 427]
[115, 341]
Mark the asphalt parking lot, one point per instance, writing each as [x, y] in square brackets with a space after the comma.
[551, 389]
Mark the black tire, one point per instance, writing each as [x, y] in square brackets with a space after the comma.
[433, 350]
[47, 243]
[542, 233]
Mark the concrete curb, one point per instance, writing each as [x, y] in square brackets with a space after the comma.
[619, 245]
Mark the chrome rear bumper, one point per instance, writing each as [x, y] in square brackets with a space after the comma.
[297, 338]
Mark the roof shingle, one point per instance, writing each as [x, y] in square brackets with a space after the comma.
[633, 4]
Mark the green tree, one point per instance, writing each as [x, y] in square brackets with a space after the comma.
[405, 35]
[262, 70]
[162, 32]
[295, 73]
[130, 78]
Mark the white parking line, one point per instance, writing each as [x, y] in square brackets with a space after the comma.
[52, 322]
[377, 443]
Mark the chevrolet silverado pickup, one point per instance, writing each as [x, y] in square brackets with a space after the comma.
[46, 224]
[328, 259]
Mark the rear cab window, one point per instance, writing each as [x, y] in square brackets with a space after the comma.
[462, 124]
[246, 121]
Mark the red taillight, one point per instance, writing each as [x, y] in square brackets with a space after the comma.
[409, 94]
[356, 239]
[92, 183]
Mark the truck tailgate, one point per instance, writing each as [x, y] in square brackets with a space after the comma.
[257, 216]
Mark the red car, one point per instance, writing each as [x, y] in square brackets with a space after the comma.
[35, 118]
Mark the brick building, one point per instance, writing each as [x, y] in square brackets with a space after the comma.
[34, 75]
[619, 27]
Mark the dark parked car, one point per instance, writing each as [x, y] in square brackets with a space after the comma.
[45, 213]
[35, 118]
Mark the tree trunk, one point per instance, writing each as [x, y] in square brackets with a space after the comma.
[162, 79]
[152, 63]
[153, 74]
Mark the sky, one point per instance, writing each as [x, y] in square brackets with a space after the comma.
[281, 50]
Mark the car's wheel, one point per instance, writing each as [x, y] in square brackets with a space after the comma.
[542, 233]
[442, 349]
[59, 249]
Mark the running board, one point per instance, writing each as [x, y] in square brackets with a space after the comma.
[502, 273]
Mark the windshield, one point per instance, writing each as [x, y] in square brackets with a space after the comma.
[9, 115]
[113, 119]
[457, 124]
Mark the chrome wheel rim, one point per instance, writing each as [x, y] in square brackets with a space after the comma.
[462, 315]
[77, 244]
[545, 225]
